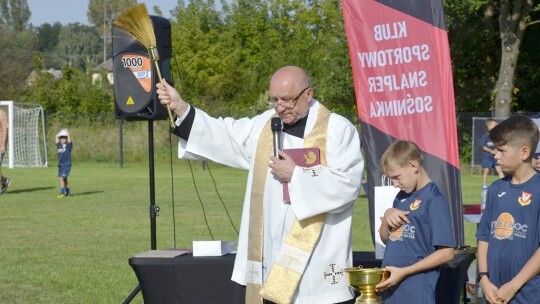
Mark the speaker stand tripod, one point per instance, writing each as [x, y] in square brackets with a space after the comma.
[154, 210]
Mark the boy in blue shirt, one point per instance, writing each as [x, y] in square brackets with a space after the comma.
[64, 146]
[488, 151]
[417, 230]
[508, 233]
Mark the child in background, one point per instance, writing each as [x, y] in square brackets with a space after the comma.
[488, 150]
[417, 230]
[508, 233]
[536, 157]
[64, 146]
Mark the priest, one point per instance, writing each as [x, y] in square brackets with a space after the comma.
[291, 251]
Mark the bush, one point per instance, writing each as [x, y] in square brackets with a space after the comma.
[465, 148]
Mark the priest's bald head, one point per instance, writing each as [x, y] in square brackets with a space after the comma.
[291, 93]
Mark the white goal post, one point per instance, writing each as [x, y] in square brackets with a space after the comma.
[26, 146]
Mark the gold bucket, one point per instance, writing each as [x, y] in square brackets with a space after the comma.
[364, 281]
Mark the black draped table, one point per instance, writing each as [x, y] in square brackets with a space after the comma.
[197, 280]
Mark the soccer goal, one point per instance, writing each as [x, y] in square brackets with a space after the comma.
[26, 146]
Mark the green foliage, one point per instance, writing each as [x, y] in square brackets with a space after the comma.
[74, 93]
[527, 72]
[204, 63]
[474, 68]
[465, 147]
[14, 15]
[16, 52]
[475, 40]
[43, 91]
[48, 36]
[79, 46]
[101, 12]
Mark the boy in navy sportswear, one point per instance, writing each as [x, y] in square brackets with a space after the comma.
[417, 230]
[508, 233]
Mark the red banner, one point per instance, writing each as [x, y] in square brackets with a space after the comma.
[404, 89]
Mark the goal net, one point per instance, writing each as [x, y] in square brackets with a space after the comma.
[26, 146]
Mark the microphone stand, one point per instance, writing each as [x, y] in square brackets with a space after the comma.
[154, 210]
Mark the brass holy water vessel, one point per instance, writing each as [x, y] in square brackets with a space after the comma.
[364, 281]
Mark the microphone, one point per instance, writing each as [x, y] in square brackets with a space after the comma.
[276, 134]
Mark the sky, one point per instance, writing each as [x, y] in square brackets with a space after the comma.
[71, 11]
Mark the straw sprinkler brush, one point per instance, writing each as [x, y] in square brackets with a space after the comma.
[136, 21]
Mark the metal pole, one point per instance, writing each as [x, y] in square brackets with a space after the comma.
[153, 209]
[121, 152]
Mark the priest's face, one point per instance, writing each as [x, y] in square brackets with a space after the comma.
[292, 108]
[290, 94]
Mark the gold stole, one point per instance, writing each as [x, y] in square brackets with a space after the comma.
[285, 274]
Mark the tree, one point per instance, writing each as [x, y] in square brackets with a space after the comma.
[79, 45]
[321, 30]
[16, 51]
[102, 12]
[17, 43]
[204, 51]
[227, 56]
[527, 73]
[14, 15]
[47, 36]
[513, 20]
[307, 33]
[471, 23]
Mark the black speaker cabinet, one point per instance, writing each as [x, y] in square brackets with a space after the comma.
[135, 74]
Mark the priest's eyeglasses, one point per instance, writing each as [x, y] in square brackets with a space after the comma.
[287, 102]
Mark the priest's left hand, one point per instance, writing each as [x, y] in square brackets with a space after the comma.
[282, 167]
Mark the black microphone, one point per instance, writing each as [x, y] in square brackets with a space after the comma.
[276, 134]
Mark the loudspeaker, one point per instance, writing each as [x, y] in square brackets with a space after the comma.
[135, 74]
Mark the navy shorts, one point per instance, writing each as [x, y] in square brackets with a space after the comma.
[63, 171]
[489, 163]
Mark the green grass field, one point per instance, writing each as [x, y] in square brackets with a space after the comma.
[76, 249]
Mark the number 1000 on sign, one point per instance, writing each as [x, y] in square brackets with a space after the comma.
[132, 62]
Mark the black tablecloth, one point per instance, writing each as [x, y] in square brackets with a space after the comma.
[207, 280]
